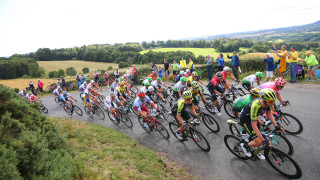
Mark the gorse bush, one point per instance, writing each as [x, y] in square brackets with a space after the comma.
[31, 146]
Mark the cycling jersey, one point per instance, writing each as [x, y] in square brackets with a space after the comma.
[108, 102]
[224, 73]
[179, 87]
[144, 89]
[196, 97]
[56, 92]
[180, 105]
[156, 83]
[113, 86]
[122, 90]
[138, 104]
[106, 74]
[145, 81]
[96, 74]
[32, 98]
[241, 102]
[85, 99]
[250, 79]
[82, 87]
[21, 93]
[177, 78]
[153, 76]
[270, 85]
[190, 80]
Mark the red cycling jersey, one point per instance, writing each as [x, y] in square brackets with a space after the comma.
[224, 73]
[154, 77]
[215, 81]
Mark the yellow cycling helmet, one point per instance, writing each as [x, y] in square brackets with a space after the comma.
[195, 84]
[195, 74]
[187, 94]
[189, 80]
[121, 83]
[267, 94]
[255, 92]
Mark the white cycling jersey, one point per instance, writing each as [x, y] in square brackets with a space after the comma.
[250, 79]
[179, 86]
[156, 83]
[144, 89]
[108, 102]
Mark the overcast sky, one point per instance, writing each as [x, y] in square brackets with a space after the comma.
[26, 25]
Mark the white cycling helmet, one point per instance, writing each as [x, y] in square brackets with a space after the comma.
[86, 92]
[181, 73]
[151, 88]
[187, 70]
[92, 81]
[85, 82]
[125, 75]
[226, 68]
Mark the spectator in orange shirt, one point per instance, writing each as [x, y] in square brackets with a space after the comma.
[282, 54]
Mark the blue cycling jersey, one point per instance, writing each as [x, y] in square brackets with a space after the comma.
[138, 103]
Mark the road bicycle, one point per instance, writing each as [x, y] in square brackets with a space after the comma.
[70, 86]
[209, 121]
[222, 102]
[43, 109]
[95, 110]
[190, 132]
[278, 160]
[51, 87]
[72, 108]
[152, 124]
[121, 115]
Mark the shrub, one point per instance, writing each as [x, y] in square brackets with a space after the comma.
[71, 71]
[61, 72]
[102, 72]
[53, 74]
[110, 68]
[85, 70]
[123, 64]
[16, 90]
[25, 76]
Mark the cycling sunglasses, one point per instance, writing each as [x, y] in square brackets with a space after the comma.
[270, 102]
[189, 99]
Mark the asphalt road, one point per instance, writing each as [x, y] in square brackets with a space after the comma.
[219, 163]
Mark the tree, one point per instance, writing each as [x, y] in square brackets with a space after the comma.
[53, 74]
[71, 71]
[85, 70]
[61, 72]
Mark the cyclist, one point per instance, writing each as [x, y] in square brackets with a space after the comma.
[248, 81]
[65, 98]
[111, 103]
[57, 91]
[196, 94]
[180, 75]
[179, 87]
[139, 106]
[121, 90]
[181, 114]
[225, 73]
[249, 119]
[83, 86]
[126, 80]
[241, 102]
[145, 87]
[32, 97]
[147, 80]
[157, 85]
[87, 100]
[114, 85]
[23, 93]
[96, 76]
[277, 86]
[194, 77]
[106, 76]
[153, 75]
[150, 92]
[187, 74]
[215, 90]
[92, 83]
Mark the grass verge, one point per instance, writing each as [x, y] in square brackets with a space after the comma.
[104, 153]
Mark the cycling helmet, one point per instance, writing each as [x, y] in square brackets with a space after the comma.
[259, 74]
[147, 84]
[183, 79]
[116, 80]
[195, 74]
[121, 83]
[218, 74]
[121, 78]
[255, 92]
[85, 83]
[92, 81]
[189, 81]
[112, 94]
[149, 79]
[187, 70]
[141, 94]
[153, 72]
[158, 78]
[267, 94]
[195, 84]
[65, 92]
[226, 68]
[187, 94]
[151, 88]
[181, 73]
[280, 81]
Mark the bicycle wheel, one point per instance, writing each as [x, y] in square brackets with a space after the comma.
[48, 88]
[100, 113]
[282, 143]
[228, 105]
[241, 91]
[173, 127]
[164, 113]
[133, 94]
[233, 144]
[235, 130]
[147, 129]
[210, 106]
[127, 121]
[43, 109]
[77, 110]
[134, 89]
[68, 111]
[56, 99]
[162, 130]
[283, 163]
[134, 111]
[113, 118]
[291, 124]
[211, 123]
[170, 100]
[200, 140]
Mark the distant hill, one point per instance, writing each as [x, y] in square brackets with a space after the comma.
[308, 32]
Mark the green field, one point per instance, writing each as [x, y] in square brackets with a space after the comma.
[196, 51]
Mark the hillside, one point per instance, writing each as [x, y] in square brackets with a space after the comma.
[308, 32]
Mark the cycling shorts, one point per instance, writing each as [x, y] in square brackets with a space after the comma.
[143, 108]
[121, 94]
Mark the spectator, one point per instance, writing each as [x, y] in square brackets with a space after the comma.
[220, 60]
[129, 73]
[116, 73]
[106, 76]
[83, 78]
[235, 64]
[312, 65]
[59, 83]
[208, 60]
[40, 86]
[31, 86]
[78, 80]
[166, 70]
[293, 57]
[179, 67]
[282, 54]
[135, 75]
[174, 70]
[160, 72]
[190, 65]
[96, 76]
[63, 83]
[153, 67]
[270, 67]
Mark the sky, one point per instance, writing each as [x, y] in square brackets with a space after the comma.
[27, 25]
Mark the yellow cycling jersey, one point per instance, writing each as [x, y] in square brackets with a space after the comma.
[196, 96]
[182, 105]
[189, 80]
[122, 90]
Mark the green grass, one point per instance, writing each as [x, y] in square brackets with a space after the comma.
[104, 153]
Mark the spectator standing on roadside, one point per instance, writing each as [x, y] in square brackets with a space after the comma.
[293, 57]
[78, 80]
[174, 70]
[270, 67]
[282, 54]
[153, 67]
[106, 76]
[208, 61]
[220, 60]
[312, 64]
[83, 78]
[40, 86]
[31, 86]
[116, 73]
[135, 74]
[160, 72]
[166, 70]
[129, 73]
[235, 64]
[63, 83]
[179, 67]
[190, 65]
